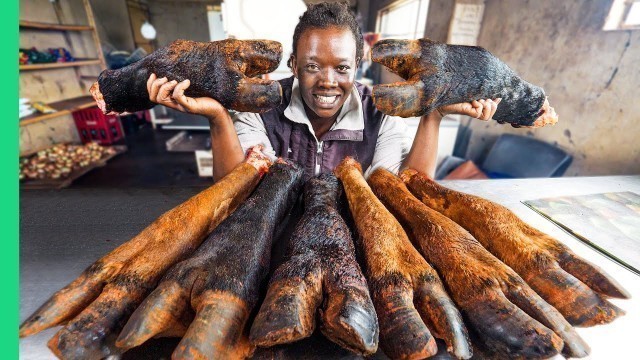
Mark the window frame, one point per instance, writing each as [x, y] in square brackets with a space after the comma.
[618, 14]
[421, 17]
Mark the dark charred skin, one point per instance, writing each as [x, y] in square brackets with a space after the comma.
[572, 285]
[439, 74]
[221, 280]
[320, 271]
[406, 290]
[510, 318]
[223, 70]
[96, 304]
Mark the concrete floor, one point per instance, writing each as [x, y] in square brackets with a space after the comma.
[147, 163]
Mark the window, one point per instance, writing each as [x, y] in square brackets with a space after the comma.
[623, 15]
[633, 16]
[403, 19]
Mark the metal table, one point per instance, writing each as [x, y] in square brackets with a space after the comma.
[62, 232]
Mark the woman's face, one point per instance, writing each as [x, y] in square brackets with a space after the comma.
[325, 65]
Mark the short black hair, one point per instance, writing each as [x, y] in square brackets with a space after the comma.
[325, 15]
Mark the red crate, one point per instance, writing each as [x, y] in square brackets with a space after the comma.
[95, 126]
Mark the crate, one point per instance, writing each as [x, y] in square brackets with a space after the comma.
[204, 159]
[95, 126]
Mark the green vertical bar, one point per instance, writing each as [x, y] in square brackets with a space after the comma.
[9, 179]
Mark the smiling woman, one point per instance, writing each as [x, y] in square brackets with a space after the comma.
[325, 72]
[326, 115]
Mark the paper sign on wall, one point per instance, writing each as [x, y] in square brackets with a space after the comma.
[465, 23]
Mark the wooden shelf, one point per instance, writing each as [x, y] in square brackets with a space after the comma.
[53, 27]
[56, 65]
[89, 77]
[63, 107]
[58, 22]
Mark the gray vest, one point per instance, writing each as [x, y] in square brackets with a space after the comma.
[294, 141]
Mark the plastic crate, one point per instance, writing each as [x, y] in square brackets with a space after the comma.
[95, 126]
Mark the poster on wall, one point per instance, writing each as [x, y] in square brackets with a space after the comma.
[465, 23]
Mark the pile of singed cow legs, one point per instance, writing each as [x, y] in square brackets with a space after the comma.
[436, 266]
[502, 308]
[518, 290]
[576, 288]
[221, 280]
[171, 281]
[320, 272]
[95, 306]
[406, 290]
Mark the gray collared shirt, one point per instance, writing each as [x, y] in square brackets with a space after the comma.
[393, 144]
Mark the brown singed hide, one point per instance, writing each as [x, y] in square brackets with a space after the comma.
[572, 285]
[95, 306]
[320, 271]
[508, 316]
[223, 70]
[439, 74]
[399, 278]
[221, 280]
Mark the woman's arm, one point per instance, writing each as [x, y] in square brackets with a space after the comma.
[424, 151]
[225, 145]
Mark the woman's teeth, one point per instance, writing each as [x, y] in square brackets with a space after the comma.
[326, 99]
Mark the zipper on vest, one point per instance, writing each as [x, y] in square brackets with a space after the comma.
[318, 157]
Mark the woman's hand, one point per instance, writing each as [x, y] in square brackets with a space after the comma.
[225, 145]
[171, 94]
[482, 109]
